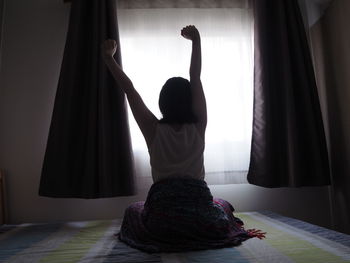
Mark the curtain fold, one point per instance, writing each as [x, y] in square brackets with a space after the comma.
[88, 152]
[288, 142]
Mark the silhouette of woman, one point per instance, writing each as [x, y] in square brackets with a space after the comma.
[180, 213]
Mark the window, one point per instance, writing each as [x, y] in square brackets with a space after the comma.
[153, 51]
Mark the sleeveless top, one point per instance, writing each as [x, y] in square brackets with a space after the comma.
[177, 153]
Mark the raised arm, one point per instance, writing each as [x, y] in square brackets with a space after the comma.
[198, 98]
[143, 116]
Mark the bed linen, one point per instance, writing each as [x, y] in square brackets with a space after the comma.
[287, 240]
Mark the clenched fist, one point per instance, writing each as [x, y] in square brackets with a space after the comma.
[190, 32]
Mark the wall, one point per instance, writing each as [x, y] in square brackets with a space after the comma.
[34, 36]
[2, 5]
[330, 40]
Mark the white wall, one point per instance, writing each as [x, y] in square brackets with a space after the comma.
[33, 43]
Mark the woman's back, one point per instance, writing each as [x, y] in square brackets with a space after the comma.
[179, 209]
[177, 152]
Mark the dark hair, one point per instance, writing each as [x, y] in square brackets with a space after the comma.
[175, 101]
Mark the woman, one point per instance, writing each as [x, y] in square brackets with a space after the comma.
[180, 213]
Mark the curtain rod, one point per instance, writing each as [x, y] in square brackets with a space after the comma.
[130, 4]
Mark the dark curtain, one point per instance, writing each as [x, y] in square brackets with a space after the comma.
[88, 152]
[288, 141]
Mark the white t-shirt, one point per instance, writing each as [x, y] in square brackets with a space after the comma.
[177, 152]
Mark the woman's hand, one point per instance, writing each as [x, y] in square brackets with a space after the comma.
[108, 48]
[190, 32]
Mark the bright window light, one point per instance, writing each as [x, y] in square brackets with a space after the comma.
[153, 51]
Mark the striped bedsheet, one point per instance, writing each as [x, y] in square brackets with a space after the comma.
[288, 240]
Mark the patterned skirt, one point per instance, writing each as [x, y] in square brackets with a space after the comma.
[181, 215]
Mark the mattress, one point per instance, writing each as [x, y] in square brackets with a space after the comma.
[287, 240]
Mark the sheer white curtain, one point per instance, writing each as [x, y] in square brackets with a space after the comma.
[153, 51]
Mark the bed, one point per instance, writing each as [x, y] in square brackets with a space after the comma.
[288, 240]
